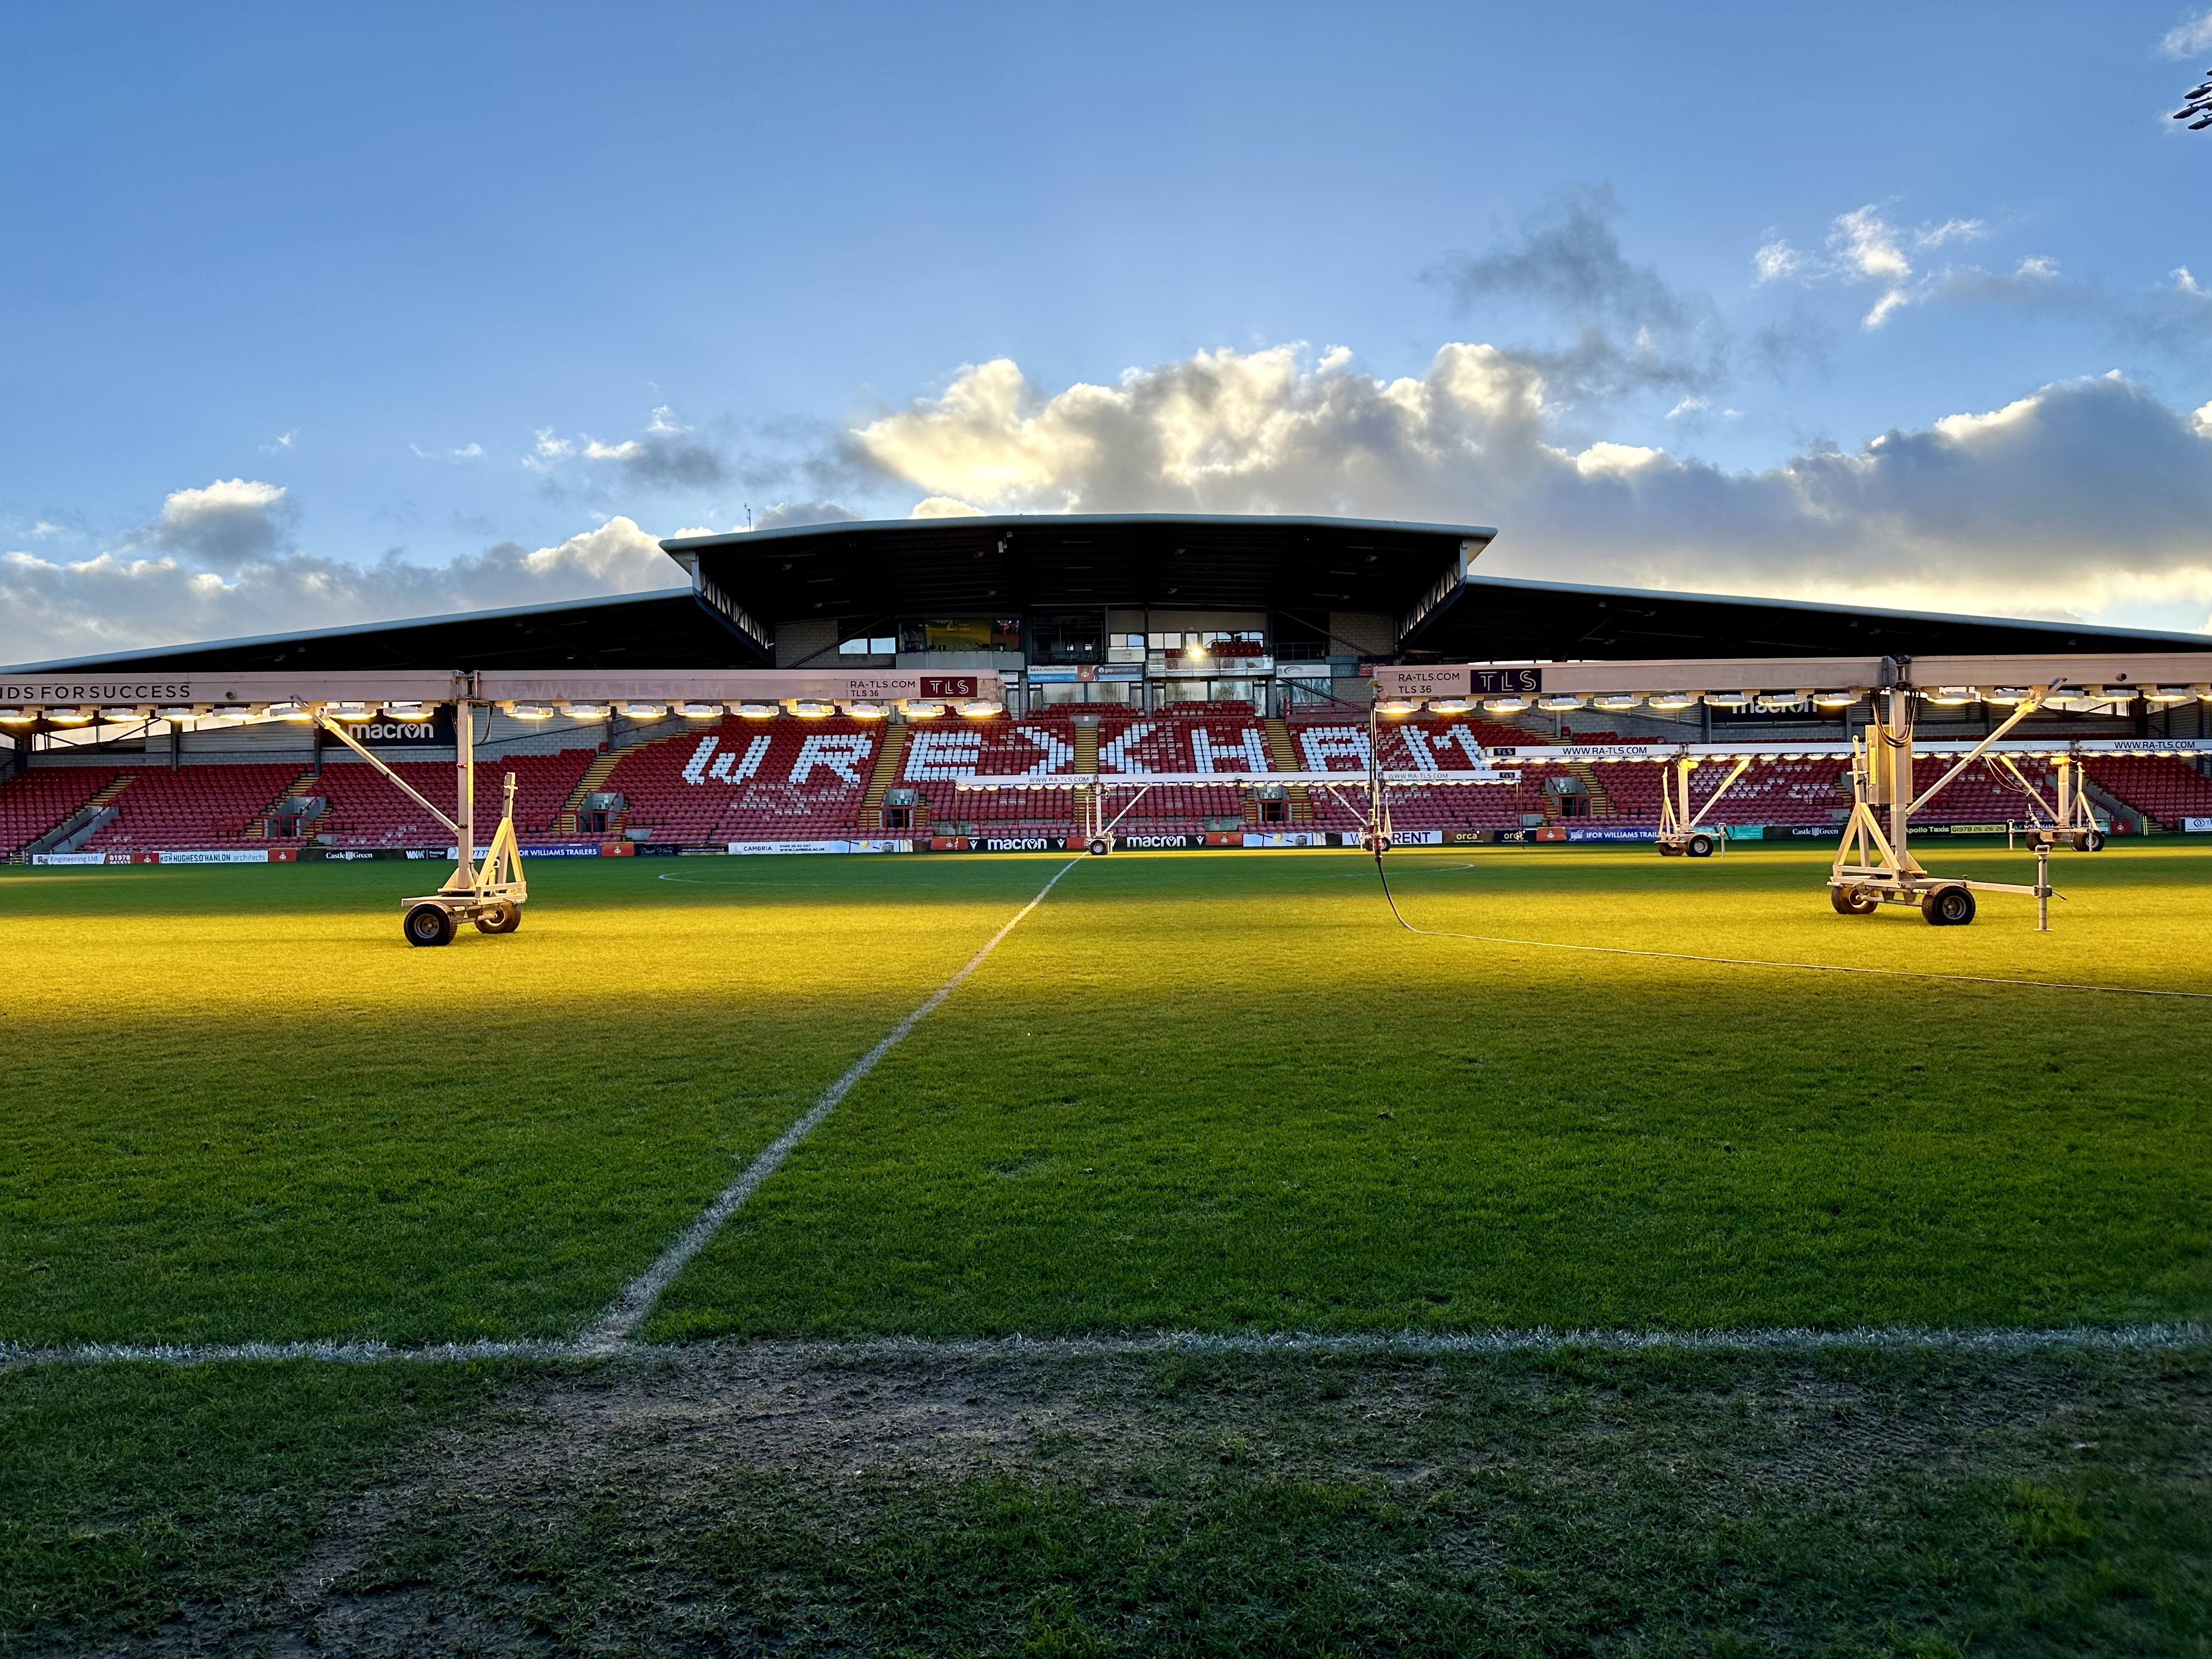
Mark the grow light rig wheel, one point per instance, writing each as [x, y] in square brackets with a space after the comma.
[500, 916]
[427, 924]
[1853, 901]
[1949, 906]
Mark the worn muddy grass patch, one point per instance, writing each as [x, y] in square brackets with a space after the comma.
[129, 1493]
[799, 1500]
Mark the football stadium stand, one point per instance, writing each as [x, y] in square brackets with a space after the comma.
[194, 807]
[779, 779]
[788, 779]
[2164, 789]
[33, 803]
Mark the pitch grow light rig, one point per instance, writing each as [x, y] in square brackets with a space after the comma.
[1874, 864]
[490, 893]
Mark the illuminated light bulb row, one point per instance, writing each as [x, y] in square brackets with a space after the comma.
[802, 707]
[1620, 703]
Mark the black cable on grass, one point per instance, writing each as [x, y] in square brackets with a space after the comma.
[1384, 877]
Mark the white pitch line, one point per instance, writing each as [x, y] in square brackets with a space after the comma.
[628, 1309]
[1999, 1341]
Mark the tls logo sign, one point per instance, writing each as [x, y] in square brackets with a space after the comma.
[948, 685]
[1503, 682]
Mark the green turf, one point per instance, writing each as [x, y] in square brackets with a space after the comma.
[238, 1106]
[1201, 1091]
[1205, 1091]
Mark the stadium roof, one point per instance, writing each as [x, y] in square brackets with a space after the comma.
[1077, 561]
[747, 583]
[672, 628]
[1496, 618]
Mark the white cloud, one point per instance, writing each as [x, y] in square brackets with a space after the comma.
[1776, 260]
[944, 507]
[2079, 495]
[1951, 230]
[1865, 248]
[2190, 38]
[628, 450]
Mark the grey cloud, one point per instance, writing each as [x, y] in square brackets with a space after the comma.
[787, 515]
[1566, 261]
[230, 522]
[51, 607]
[2074, 496]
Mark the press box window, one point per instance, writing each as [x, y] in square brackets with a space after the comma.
[879, 645]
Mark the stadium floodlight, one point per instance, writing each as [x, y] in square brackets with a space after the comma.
[1558, 704]
[2158, 697]
[757, 711]
[867, 711]
[1450, 705]
[17, 716]
[125, 716]
[1729, 699]
[644, 711]
[339, 711]
[1501, 705]
[1840, 698]
[2203, 693]
[2012, 694]
[922, 708]
[1616, 702]
[242, 712]
[407, 711]
[1395, 705]
[700, 711]
[584, 711]
[1674, 702]
[1950, 696]
[981, 709]
[180, 712]
[290, 711]
[70, 716]
[529, 711]
[1774, 701]
[812, 708]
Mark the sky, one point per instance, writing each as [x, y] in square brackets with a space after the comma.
[314, 315]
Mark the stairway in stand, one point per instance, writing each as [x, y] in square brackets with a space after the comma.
[1601, 804]
[1284, 756]
[110, 792]
[595, 779]
[300, 785]
[881, 780]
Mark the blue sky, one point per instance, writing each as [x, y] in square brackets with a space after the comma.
[310, 315]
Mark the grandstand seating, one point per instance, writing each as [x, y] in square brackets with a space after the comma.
[365, 811]
[2166, 789]
[1786, 792]
[939, 753]
[193, 808]
[1335, 743]
[1980, 794]
[45, 797]
[779, 780]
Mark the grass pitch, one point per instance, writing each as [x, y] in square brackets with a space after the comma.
[1210, 1092]
[1200, 1091]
